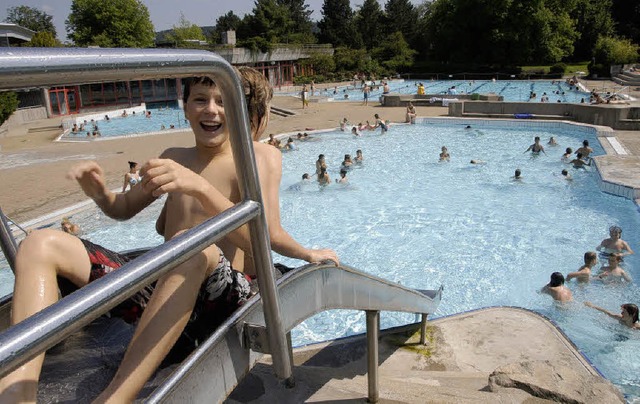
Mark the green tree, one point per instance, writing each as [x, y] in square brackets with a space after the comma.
[225, 23]
[401, 16]
[269, 21]
[369, 18]
[44, 39]
[114, 23]
[31, 18]
[337, 25]
[300, 19]
[185, 31]
[615, 51]
[8, 105]
[394, 53]
[626, 14]
[593, 18]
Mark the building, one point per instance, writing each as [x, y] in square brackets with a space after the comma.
[14, 35]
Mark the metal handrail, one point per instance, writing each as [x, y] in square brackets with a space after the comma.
[43, 67]
[7, 241]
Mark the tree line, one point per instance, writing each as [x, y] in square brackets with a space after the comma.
[438, 35]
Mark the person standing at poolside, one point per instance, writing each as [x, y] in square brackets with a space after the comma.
[536, 147]
[304, 95]
[615, 243]
[628, 314]
[132, 177]
[556, 288]
[365, 92]
[583, 274]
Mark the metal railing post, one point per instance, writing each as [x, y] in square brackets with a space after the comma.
[7, 242]
[373, 317]
[423, 329]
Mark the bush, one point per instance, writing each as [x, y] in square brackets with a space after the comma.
[475, 97]
[8, 105]
[558, 68]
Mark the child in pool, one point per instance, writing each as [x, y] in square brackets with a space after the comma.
[583, 274]
[628, 314]
[615, 244]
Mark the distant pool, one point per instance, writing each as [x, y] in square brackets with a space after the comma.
[489, 240]
[511, 90]
[161, 120]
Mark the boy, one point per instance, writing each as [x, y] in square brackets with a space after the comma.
[200, 182]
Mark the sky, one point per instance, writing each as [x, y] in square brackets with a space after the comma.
[165, 13]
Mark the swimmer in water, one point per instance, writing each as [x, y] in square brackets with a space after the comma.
[517, 175]
[536, 147]
[585, 150]
[613, 271]
[556, 288]
[354, 131]
[566, 157]
[628, 314]
[579, 162]
[552, 141]
[566, 175]
[583, 274]
[359, 157]
[615, 243]
[323, 177]
[444, 155]
[343, 177]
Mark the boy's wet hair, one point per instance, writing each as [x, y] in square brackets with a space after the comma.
[632, 309]
[557, 279]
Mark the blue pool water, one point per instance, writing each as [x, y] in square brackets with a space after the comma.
[136, 124]
[489, 240]
[514, 90]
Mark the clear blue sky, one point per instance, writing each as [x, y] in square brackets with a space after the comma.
[165, 13]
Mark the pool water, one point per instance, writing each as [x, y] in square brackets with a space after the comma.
[136, 124]
[511, 90]
[489, 240]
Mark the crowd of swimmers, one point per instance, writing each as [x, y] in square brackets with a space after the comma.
[92, 130]
[613, 249]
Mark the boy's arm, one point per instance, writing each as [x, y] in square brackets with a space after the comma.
[626, 276]
[281, 240]
[90, 177]
[628, 248]
[164, 175]
[605, 311]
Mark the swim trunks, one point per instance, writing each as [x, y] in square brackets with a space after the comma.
[220, 295]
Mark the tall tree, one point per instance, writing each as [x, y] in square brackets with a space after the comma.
[394, 53]
[114, 23]
[185, 31]
[31, 18]
[270, 21]
[337, 26]
[401, 16]
[300, 15]
[593, 18]
[369, 18]
[44, 39]
[626, 14]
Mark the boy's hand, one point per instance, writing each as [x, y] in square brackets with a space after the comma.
[316, 256]
[163, 176]
[90, 177]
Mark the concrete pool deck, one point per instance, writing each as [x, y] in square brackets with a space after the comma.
[493, 355]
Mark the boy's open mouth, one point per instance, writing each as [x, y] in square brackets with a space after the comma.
[210, 126]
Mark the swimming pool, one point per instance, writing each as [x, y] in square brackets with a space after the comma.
[511, 90]
[489, 240]
[161, 119]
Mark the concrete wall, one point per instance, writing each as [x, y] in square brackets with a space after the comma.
[18, 119]
[244, 55]
[615, 116]
[400, 100]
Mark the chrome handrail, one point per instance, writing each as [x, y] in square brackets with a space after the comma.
[44, 67]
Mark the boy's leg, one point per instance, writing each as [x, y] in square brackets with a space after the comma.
[162, 322]
[42, 256]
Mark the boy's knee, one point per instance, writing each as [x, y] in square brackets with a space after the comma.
[42, 242]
